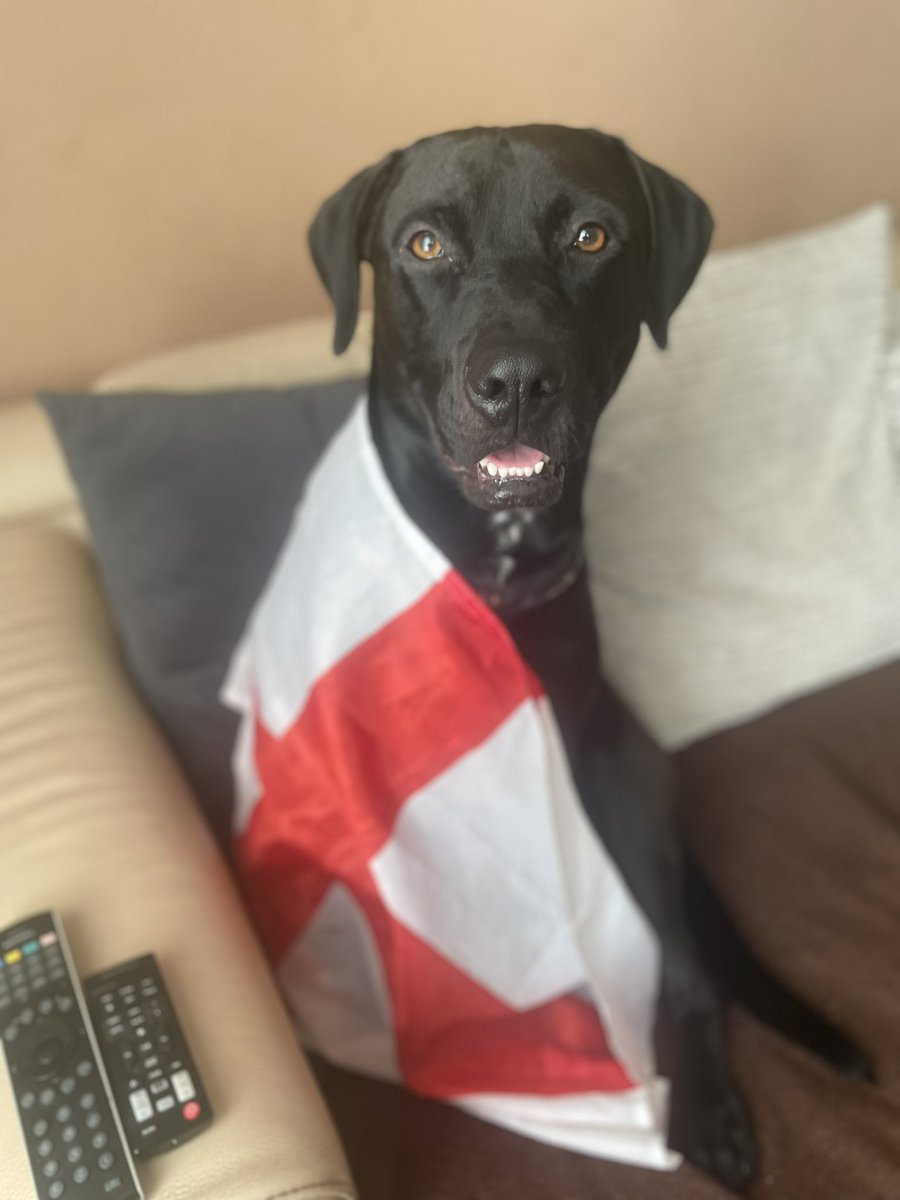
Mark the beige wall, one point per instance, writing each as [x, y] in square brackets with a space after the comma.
[161, 159]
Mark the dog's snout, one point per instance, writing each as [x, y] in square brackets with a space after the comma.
[501, 379]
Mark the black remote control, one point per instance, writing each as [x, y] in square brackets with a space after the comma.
[71, 1128]
[161, 1099]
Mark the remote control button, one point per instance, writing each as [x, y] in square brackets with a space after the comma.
[99, 1140]
[69, 1134]
[81, 1174]
[27, 1101]
[105, 1161]
[47, 1097]
[50, 1046]
[74, 1154]
[26, 1016]
[140, 1105]
[151, 1062]
[5, 1002]
[160, 1085]
[63, 1114]
[191, 1111]
[65, 1003]
[67, 1087]
[21, 994]
[183, 1085]
[30, 948]
[10, 1033]
[84, 1069]
[88, 1100]
[50, 1168]
[39, 982]
[46, 1006]
[93, 1119]
[45, 1148]
[40, 1128]
[56, 1189]
[47, 1055]
[164, 1103]
[48, 939]
[12, 956]
[110, 1185]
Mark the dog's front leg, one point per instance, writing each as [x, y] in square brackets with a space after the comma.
[626, 786]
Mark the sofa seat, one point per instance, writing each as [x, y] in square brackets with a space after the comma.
[96, 821]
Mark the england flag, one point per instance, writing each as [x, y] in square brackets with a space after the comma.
[435, 903]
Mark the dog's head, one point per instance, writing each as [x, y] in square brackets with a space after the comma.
[513, 269]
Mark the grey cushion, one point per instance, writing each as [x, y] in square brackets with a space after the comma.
[188, 498]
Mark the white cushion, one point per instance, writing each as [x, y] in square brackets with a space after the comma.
[744, 498]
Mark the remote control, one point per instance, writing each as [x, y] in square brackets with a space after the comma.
[75, 1142]
[161, 1099]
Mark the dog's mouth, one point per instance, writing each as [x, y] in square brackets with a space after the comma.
[517, 476]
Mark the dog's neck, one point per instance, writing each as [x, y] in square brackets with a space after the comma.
[516, 559]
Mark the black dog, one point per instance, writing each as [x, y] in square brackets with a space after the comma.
[513, 270]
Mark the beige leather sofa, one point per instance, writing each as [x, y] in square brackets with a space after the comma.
[97, 821]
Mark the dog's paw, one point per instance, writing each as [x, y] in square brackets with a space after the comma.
[711, 1126]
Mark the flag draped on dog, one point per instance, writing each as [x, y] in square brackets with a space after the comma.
[438, 908]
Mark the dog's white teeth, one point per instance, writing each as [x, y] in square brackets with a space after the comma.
[495, 471]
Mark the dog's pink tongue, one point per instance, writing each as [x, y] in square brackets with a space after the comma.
[516, 455]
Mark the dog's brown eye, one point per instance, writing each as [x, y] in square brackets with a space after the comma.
[591, 238]
[425, 245]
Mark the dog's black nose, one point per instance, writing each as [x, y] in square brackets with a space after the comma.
[500, 379]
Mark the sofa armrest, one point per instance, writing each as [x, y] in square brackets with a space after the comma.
[96, 821]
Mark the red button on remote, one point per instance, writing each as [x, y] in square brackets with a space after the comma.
[191, 1111]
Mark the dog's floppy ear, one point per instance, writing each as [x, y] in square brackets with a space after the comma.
[681, 228]
[339, 239]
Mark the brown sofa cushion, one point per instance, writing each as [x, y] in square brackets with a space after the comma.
[796, 815]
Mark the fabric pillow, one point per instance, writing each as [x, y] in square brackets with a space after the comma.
[744, 500]
[188, 498]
